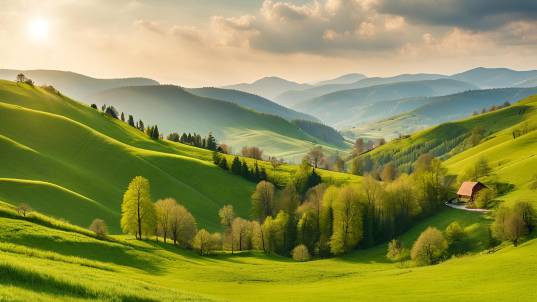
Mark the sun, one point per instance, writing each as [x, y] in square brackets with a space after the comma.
[38, 29]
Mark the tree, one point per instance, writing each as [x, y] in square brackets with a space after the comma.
[131, 121]
[99, 227]
[423, 163]
[236, 166]
[226, 215]
[21, 78]
[315, 156]
[527, 212]
[389, 172]
[94, 106]
[122, 117]
[111, 111]
[205, 242]
[456, 238]
[263, 200]
[211, 142]
[396, 251]
[23, 209]
[275, 163]
[301, 253]
[182, 226]
[174, 137]
[484, 198]
[475, 136]
[242, 233]
[252, 152]
[137, 210]
[163, 210]
[347, 221]
[217, 157]
[429, 247]
[223, 163]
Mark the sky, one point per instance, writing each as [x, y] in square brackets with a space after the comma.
[218, 42]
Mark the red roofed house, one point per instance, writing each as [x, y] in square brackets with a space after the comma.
[468, 190]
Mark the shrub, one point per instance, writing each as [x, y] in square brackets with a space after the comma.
[301, 253]
[23, 209]
[99, 227]
[396, 250]
[429, 248]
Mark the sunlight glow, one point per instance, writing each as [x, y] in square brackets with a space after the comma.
[38, 29]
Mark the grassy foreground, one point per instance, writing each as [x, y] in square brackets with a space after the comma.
[43, 261]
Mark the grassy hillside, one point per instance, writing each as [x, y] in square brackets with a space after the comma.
[73, 84]
[344, 108]
[80, 161]
[53, 261]
[512, 160]
[174, 109]
[391, 118]
[251, 101]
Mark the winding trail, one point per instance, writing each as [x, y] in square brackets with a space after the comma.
[464, 208]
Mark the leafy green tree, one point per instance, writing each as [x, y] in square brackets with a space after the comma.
[205, 242]
[429, 247]
[347, 221]
[484, 198]
[137, 210]
[389, 172]
[457, 238]
[226, 215]
[182, 226]
[526, 211]
[263, 200]
[164, 211]
[242, 233]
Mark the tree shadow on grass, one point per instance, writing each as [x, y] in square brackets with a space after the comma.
[93, 250]
[37, 282]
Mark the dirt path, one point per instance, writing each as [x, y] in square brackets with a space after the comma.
[463, 208]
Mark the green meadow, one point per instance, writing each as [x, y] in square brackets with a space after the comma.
[70, 161]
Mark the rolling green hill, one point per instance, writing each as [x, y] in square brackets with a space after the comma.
[71, 161]
[391, 118]
[73, 84]
[495, 77]
[251, 101]
[175, 109]
[345, 108]
[512, 160]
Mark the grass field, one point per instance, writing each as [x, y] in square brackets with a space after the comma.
[70, 161]
[45, 263]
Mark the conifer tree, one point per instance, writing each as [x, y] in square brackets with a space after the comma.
[236, 166]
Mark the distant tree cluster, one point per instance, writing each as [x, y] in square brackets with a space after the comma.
[522, 130]
[492, 108]
[195, 140]
[21, 78]
[240, 167]
[252, 152]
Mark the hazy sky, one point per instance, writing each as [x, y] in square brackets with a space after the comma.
[215, 42]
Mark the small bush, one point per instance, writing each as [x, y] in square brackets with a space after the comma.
[23, 209]
[99, 227]
[429, 248]
[301, 253]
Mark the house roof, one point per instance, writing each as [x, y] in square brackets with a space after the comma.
[467, 188]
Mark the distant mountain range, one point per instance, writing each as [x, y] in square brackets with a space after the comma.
[409, 115]
[269, 87]
[344, 108]
[75, 85]
[344, 79]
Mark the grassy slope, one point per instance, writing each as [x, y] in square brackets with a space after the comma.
[175, 109]
[512, 160]
[80, 162]
[69, 265]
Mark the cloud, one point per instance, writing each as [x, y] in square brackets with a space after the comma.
[332, 26]
[473, 14]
